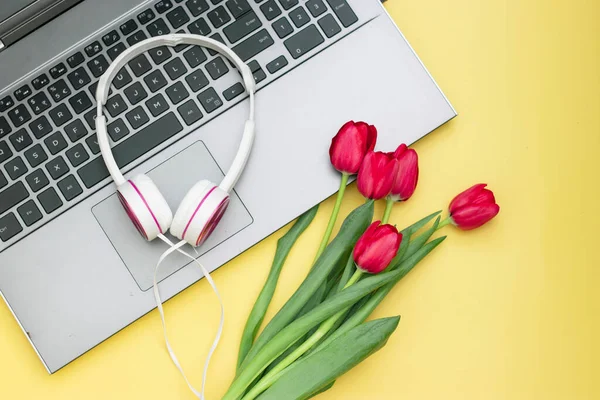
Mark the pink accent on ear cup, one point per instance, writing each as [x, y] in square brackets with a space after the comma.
[132, 216]
[196, 210]
[213, 221]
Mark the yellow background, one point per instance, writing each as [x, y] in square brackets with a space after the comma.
[510, 311]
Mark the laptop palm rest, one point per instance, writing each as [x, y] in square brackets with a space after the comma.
[174, 178]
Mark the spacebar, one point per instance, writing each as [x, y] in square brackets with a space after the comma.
[132, 148]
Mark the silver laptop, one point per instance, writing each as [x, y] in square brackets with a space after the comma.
[73, 269]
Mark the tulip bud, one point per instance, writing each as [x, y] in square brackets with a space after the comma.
[473, 207]
[377, 175]
[349, 147]
[408, 173]
[376, 248]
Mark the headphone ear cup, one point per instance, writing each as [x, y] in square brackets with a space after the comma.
[145, 206]
[199, 212]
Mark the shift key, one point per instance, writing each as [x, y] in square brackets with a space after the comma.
[242, 27]
[253, 45]
[13, 195]
[304, 41]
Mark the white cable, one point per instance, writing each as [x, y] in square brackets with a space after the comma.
[177, 247]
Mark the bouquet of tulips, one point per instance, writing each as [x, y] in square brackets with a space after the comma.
[320, 332]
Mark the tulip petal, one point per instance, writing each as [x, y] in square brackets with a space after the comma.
[466, 197]
[471, 217]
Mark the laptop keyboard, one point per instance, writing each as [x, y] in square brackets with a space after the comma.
[49, 154]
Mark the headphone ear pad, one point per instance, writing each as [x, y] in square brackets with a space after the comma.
[199, 212]
[145, 206]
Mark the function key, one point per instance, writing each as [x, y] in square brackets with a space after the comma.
[75, 59]
[128, 27]
[163, 5]
[146, 16]
[40, 81]
[6, 103]
[29, 213]
[93, 49]
[196, 7]
[58, 70]
[110, 38]
[287, 4]
[343, 12]
[316, 7]
[22, 92]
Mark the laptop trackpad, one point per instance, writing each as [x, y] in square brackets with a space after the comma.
[174, 178]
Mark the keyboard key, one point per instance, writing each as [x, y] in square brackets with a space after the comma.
[57, 167]
[19, 115]
[122, 78]
[259, 75]
[77, 155]
[237, 8]
[157, 105]
[49, 200]
[98, 65]
[343, 12]
[158, 28]
[199, 27]
[40, 127]
[80, 102]
[9, 227]
[75, 59]
[299, 17]
[163, 6]
[60, 115]
[271, 10]
[12, 195]
[116, 50]
[39, 103]
[3, 180]
[175, 68]
[304, 41]
[316, 7]
[329, 25]
[59, 90]
[93, 49]
[287, 4]
[30, 213]
[55, 143]
[242, 27]
[140, 65]
[196, 7]
[58, 70]
[196, 80]
[137, 117]
[5, 151]
[35, 155]
[155, 80]
[177, 93]
[219, 17]
[111, 38]
[217, 68]
[146, 16]
[209, 99]
[117, 130]
[90, 118]
[135, 93]
[20, 140]
[254, 45]
[136, 37]
[5, 128]
[160, 54]
[190, 112]
[70, 188]
[75, 130]
[37, 180]
[215, 2]
[128, 27]
[92, 143]
[195, 56]
[40, 81]
[283, 27]
[233, 91]
[132, 148]
[15, 168]
[6, 103]
[178, 17]
[218, 38]
[115, 105]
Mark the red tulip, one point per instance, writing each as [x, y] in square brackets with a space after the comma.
[377, 175]
[473, 207]
[408, 173]
[377, 247]
[350, 145]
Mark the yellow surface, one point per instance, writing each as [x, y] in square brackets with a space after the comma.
[510, 311]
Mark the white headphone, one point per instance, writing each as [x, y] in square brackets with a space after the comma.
[203, 206]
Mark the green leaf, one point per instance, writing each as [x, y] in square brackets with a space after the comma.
[319, 391]
[257, 315]
[354, 225]
[347, 274]
[410, 230]
[418, 242]
[306, 377]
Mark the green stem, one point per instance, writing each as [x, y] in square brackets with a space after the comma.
[444, 223]
[333, 218]
[271, 377]
[389, 204]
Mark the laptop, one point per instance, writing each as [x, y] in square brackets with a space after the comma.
[73, 269]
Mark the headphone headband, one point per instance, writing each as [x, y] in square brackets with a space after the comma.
[173, 40]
